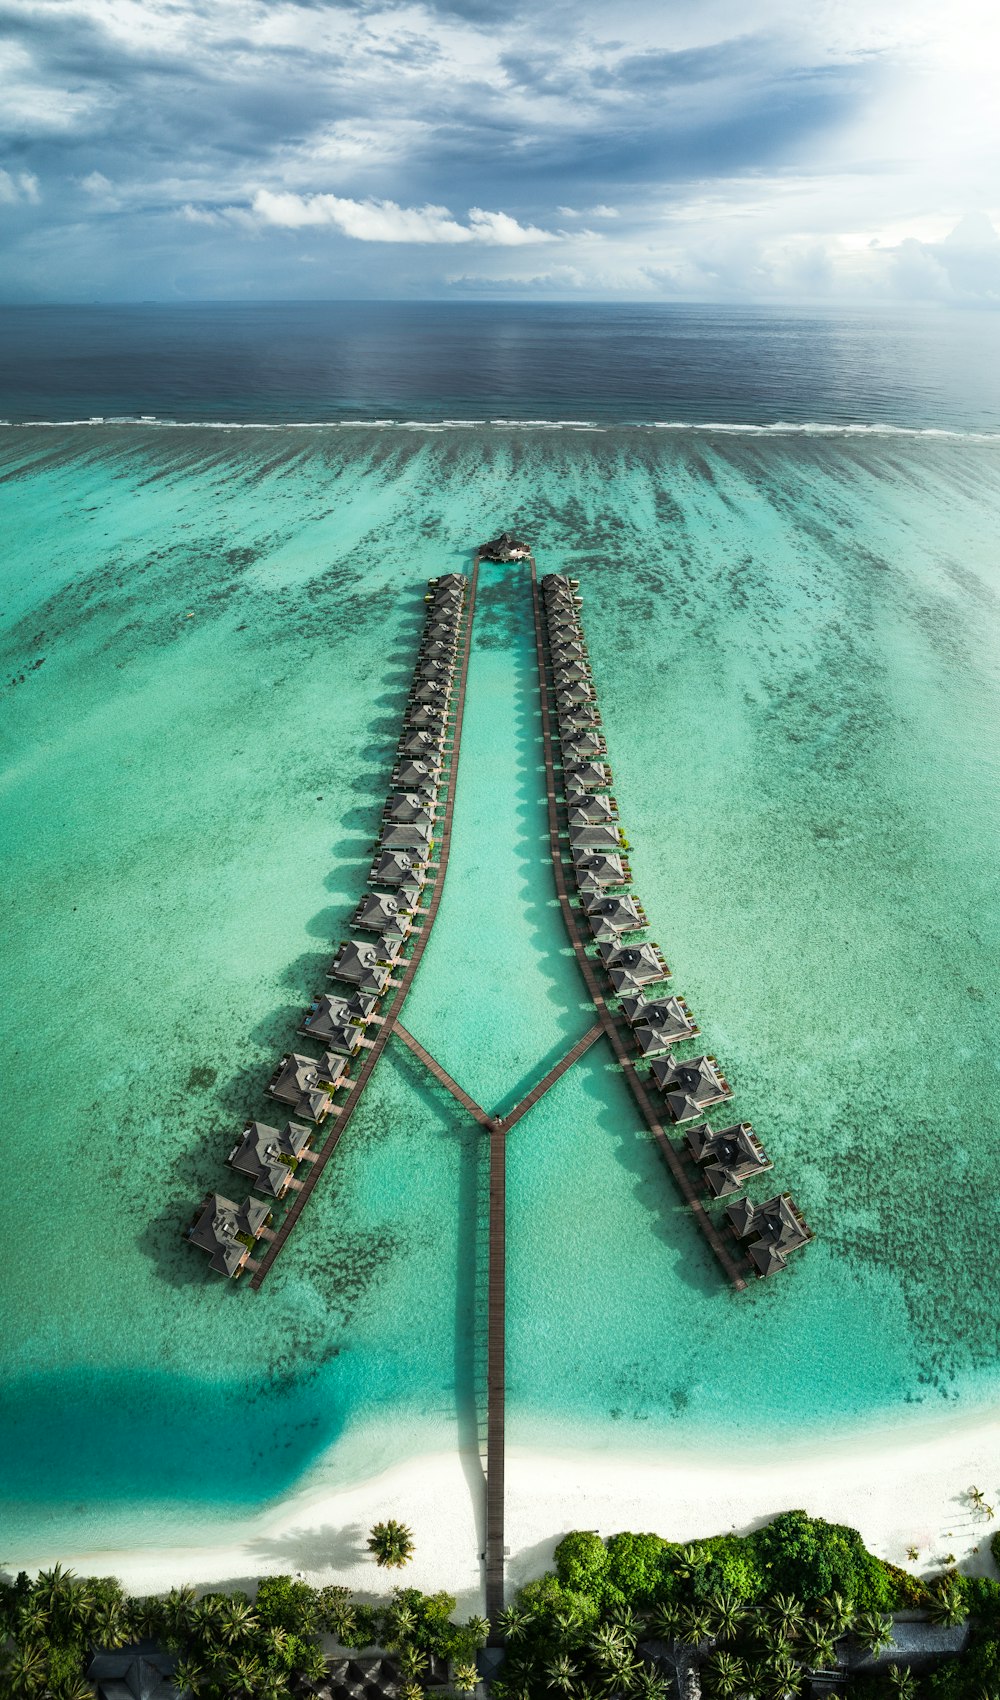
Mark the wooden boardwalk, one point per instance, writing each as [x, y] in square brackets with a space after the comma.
[608, 1019]
[443, 1078]
[443, 847]
[496, 1368]
[576, 1051]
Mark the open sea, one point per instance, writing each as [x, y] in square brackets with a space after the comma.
[785, 527]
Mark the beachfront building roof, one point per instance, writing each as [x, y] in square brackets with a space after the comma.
[593, 868]
[658, 1023]
[731, 1156]
[421, 777]
[308, 1085]
[338, 1022]
[227, 1230]
[770, 1230]
[581, 746]
[377, 913]
[359, 965]
[630, 966]
[398, 868]
[409, 809]
[602, 836]
[269, 1156]
[423, 743]
[586, 775]
[397, 835]
[506, 547]
[583, 809]
[131, 1675]
[611, 916]
[690, 1087]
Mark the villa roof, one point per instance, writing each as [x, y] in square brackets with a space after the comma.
[593, 867]
[579, 746]
[306, 1084]
[130, 1675]
[733, 1155]
[506, 547]
[583, 808]
[399, 835]
[426, 714]
[571, 673]
[339, 1022]
[631, 965]
[434, 670]
[440, 649]
[779, 1222]
[574, 693]
[410, 809]
[378, 913]
[558, 581]
[599, 836]
[691, 1086]
[422, 777]
[359, 965]
[219, 1225]
[440, 628]
[434, 692]
[611, 915]
[587, 775]
[450, 581]
[421, 741]
[657, 1023]
[267, 1155]
[398, 867]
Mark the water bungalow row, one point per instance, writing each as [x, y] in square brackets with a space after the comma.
[346, 1021]
[594, 849]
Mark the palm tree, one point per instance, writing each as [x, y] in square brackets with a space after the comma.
[665, 1621]
[411, 1691]
[32, 1620]
[976, 1498]
[177, 1610]
[239, 1622]
[944, 1604]
[903, 1682]
[26, 1668]
[77, 1604]
[244, 1673]
[777, 1677]
[514, 1621]
[816, 1647]
[649, 1686]
[391, 1543]
[695, 1625]
[412, 1662]
[147, 1617]
[465, 1678]
[622, 1615]
[785, 1614]
[725, 1613]
[561, 1672]
[76, 1688]
[478, 1629]
[608, 1642]
[312, 1665]
[187, 1675]
[400, 1624]
[836, 1613]
[109, 1627]
[278, 1638]
[912, 1553]
[686, 1561]
[50, 1586]
[874, 1630]
[725, 1675]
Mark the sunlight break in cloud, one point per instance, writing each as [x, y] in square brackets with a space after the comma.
[386, 221]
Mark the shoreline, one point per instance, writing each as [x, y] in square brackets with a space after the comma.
[895, 1490]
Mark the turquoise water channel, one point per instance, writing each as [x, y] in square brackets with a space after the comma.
[207, 637]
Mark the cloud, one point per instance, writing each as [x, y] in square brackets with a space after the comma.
[385, 221]
[19, 186]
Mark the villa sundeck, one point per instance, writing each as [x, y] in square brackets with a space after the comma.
[583, 717]
[308, 1085]
[339, 1023]
[227, 1230]
[440, 630]
[573, 694]
[690, 1087]
[378, 913]
[440, 649]
[565, 654]
[359, 965]
[730, 1156]
[630, 966]
[769, 1231]
[270, 1157]
[435, 672]
[658, 1023]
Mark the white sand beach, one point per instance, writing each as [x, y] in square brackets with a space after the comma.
[900, 1488]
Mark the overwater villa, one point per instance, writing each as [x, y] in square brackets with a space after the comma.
[570, 673]
[429, 714]
[432, 692]
[566, 654]
[308, 1085]
[445, 603]
[594, 870]
[610, 917]
[441, 630]
[409, 809]
[599, 837]
[730, 1156]
[378, 913]
[769, 1231]
[582, 809]
[227, 1231]
[399, 868]
[580, 747]
[439, 649]
[359, 965]
[397, 835]
[584, 717]
[631, 966]
[420, 743]
[339, 1023]
[268, 1156]
[418, 777]
[435, 672]
[586, 775]
[506, 547]
[658, 1023]
[450, 581]
[574, 693]
[564, 629]
[558, 581]
[689, 1087]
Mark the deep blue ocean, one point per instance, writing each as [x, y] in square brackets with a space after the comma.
[311, 362]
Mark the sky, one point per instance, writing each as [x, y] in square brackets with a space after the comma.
[678, 150]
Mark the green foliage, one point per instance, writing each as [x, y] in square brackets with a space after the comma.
[391, 1544]
[806, 1556]
[638, 1567]
[582, 1563]
[284, 1603]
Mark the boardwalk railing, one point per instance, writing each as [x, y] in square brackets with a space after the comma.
[421, 936]
[608, 1019]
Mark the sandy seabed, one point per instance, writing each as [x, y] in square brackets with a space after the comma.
[898, 1490]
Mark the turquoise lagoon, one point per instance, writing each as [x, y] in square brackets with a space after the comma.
[206, 640]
